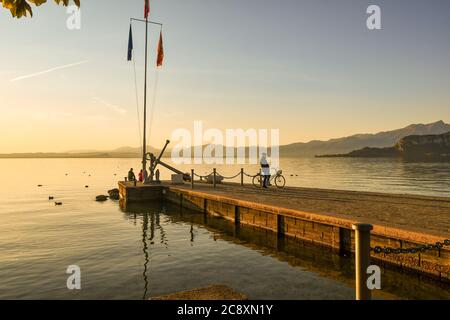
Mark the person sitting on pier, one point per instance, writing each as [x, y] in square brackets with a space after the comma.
[131, 176]
[265, 170]
[152, 166]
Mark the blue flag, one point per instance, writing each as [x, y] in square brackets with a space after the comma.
[130, 45]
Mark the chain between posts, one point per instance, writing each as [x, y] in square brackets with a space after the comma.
[203, 177]
[251, 176]
[228, 178]
[225, 177]
[422, 248]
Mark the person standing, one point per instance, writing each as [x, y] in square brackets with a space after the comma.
[265, 170]
[141, 176]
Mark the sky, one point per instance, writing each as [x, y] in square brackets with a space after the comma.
[310, 68]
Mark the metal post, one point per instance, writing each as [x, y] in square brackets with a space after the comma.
[362, 259]
[242, 177]
[192, 178]
[214, 177]
[144, 145]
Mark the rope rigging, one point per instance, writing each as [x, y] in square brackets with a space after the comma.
[155, 87]
[153, 105]
[137, 101]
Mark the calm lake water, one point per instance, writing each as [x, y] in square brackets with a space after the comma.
[146, 250]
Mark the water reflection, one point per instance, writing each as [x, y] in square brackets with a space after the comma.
[191, 231]
[149, 213]
[324, 262]
[145, 250]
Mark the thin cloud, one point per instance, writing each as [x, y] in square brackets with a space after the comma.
[110, 105]
[48, 71]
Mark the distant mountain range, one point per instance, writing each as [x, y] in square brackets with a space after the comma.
[415, 147]
[359, 141]
[308, 149]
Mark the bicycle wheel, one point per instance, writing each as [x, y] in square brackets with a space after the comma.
[280, 181]
[257, 180]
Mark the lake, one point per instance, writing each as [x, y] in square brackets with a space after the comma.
[144, 250]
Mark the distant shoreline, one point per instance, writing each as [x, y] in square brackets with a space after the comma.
[413, 147]
[67, 156]
[339, 146]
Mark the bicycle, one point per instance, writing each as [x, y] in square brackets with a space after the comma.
[279, 179]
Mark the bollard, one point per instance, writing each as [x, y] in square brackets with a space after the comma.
[214, 177]
[242, 177]
[362, 259]
[192, 178]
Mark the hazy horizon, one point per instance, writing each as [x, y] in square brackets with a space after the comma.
[115, 149]
[309, 68]
[159, 147]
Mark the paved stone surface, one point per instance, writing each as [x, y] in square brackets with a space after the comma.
[215, 292]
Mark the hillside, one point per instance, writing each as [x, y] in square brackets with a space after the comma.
[410, 147]
[358, 141]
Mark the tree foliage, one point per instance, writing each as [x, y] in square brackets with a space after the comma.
[21, 8]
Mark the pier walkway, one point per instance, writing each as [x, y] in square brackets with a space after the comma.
[324, 217]
[416, 213]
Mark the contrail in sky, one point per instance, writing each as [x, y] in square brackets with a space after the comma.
[110, 105]
[48, 71]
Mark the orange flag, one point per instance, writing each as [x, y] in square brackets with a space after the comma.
[160, 58]
[146, 9]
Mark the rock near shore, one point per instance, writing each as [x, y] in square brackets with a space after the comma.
[114, 194]
[101, 198]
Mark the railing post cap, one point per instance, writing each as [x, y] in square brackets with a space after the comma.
[362, 227]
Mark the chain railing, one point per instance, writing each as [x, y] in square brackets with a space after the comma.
[217, 176]
[422, 248]
[225, 177]
[251, 176]
[229, 178]
[203, 177]
[362, 256]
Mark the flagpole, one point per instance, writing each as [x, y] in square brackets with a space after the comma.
[147, 21]
[160, 54]
[144, 147]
